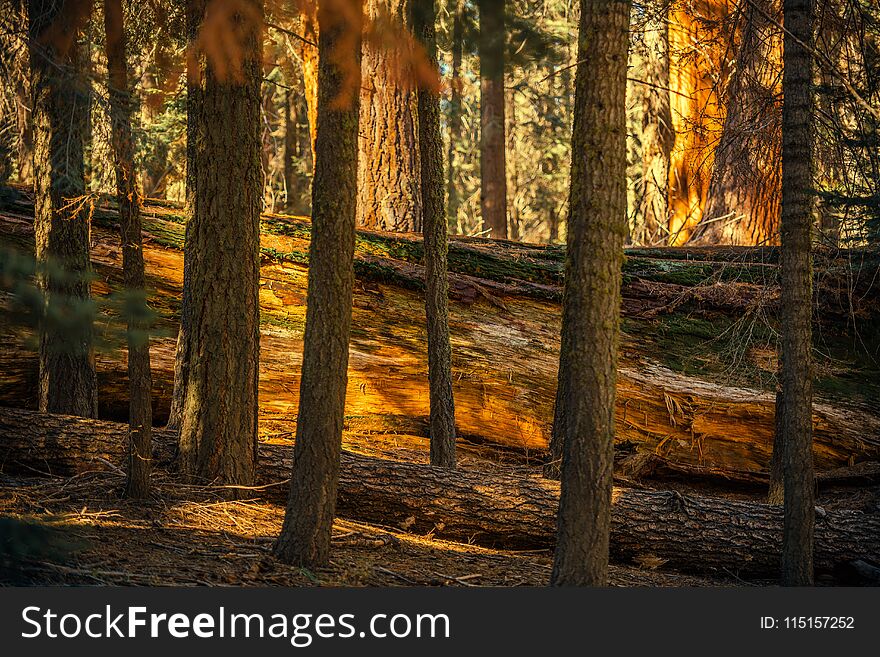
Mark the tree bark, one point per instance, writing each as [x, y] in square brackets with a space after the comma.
[591, 304]
[218, 436]
[67, 382]
[388, 163]
[742, 202]
[140, 420]
[796, 360]
[308, 52]
[195, 10]
[493, 158]
[296, 155]
[442, 403]
[305, 535]
[684, 533]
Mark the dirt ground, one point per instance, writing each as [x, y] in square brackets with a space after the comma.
[190, 536]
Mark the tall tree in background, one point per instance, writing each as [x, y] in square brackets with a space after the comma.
[305, 535]
[493, 169]
[442, 414]
[388, 163]
[140, 419]
[742, 202]
[218, 437]
[591, 304]
[194, 13]
[60, 108]
[794, 426]
[455, 111]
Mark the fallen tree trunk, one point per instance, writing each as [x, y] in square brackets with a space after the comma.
[685, 533]
[691, 317]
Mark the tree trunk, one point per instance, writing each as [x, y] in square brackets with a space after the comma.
[305, 535]
[442, 403]
[195, 10]
[140, 420]
[685, 533]
[493, 159]
[591, 304]
[295, 155]
[388, 169]
[308, 52]
[455, 112]
[218, 436]
[795, 370]
[742, 203]
[67, 382]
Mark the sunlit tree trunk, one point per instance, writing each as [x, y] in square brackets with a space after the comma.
[742, 203]
[388, 163]
[308, 520]
[442, 404]
[584, 420]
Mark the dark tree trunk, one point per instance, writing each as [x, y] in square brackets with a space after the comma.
[795, 372]
[687, 533]
[388, 163]
[195, 10]
[218, 437]
[67, 382]
[455, 126]
[305, 535]
[154, 181]
[296, 156]
[140, 419]
[442, 403]
[591, 303]
[493, 174]
[742, 203]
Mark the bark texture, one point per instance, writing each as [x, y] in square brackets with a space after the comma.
[796, 359]
[742, 202]
[140, 419]
[218, 435]
[591, 304]
[685, 533]
[60, 96]
[388, 163]
[305, 535]
[442, 403]
[493, 158]
[308, 51]
[195, 10]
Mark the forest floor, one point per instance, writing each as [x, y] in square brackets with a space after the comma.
[190, 535]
